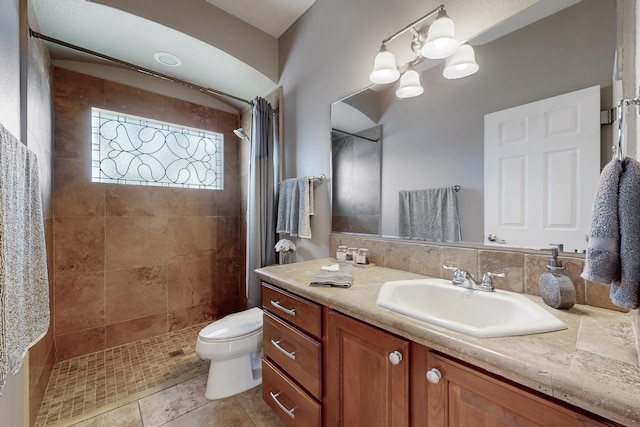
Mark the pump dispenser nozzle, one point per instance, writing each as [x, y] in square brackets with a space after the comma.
[555, 265]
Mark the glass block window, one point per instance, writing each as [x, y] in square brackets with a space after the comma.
[137, 151]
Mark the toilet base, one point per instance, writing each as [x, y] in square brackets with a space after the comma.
[232, 376]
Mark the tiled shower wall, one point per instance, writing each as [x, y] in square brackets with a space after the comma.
[136, 261]
[524, 267]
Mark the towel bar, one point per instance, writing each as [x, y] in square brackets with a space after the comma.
[320, 178]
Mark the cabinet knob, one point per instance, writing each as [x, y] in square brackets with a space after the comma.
[433, 376]
[395, 357]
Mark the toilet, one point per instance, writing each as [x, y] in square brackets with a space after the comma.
[234, 346]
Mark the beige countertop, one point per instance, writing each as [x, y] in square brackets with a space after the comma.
[593, 364]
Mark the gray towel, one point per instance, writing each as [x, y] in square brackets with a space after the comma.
[341, 279]
[602, 262]
[430, 215]
[626, 292]
[24, 285]
[295, 207]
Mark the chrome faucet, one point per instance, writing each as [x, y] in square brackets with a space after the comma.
[466, 280]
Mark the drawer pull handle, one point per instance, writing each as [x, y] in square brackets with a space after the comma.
[276, 304]
[284, 408]
[291, 355]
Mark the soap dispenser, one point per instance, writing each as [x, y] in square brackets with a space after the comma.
[556, 288]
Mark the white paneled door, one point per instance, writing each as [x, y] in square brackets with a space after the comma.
[541, 170]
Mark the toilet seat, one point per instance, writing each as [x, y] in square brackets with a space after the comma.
[233, 326]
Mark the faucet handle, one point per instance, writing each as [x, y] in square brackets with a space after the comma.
[487, 284]
[458, 275]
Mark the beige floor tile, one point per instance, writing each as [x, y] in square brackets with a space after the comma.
[259, 412]
[169, 404]
[217, 413]
[124, 416]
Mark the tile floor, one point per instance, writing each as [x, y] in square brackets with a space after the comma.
[151, 382]
[184, 405]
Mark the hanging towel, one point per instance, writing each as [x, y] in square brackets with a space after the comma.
[24, 286]
[626, 292]
[602, 262]
[295, 207]
[430, 214]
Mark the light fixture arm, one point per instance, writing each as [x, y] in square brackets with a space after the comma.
[413, 24]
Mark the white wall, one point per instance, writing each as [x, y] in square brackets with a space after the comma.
[12, 401]
[10, 66]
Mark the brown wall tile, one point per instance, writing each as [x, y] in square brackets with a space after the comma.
[191, 238]
[464, 259]
[135, 293]
[192, 202]
[597, 295]
[136, 329]
[398, 255]
[183, 318]
[135, 242]
[75, 195]
[191, 283]
[79, 343]
[130, 100]
[80, 302]
[497, 262]
[426, 259]
[78, 245]
[137, 200]
[573, 268]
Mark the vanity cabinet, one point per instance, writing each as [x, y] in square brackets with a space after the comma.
[323, 368]
[292, 362]
[367, 375]
[460, 395]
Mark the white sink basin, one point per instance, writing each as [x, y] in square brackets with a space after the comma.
[476, 313]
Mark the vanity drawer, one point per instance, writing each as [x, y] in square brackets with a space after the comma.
[290, 402]
[294, 352]
[301, 313]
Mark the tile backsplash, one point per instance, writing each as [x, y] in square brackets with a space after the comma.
[524, 267]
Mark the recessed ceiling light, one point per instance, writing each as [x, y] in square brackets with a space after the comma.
[167, 58]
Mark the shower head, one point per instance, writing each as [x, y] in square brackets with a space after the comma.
[240, 134]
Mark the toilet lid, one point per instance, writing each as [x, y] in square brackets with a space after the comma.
[233, 325]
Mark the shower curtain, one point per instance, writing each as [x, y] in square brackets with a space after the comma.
[24, 283]
[261, 203]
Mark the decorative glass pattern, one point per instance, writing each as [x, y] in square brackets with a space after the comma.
[138, 151]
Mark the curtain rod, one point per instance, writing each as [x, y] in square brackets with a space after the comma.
[202, 89]
[354, 135]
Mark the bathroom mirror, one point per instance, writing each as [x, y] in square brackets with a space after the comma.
[436, 139]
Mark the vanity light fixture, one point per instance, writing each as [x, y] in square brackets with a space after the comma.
[436, 41]
[409, 84]
[441, 38]
[384, 67]
[461, 64]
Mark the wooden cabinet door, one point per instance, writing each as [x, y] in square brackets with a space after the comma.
[467, 397]
[364, 388]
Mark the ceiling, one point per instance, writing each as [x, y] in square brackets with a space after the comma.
[135, 38]
[271, 16]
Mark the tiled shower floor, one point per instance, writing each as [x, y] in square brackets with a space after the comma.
[88, 385]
